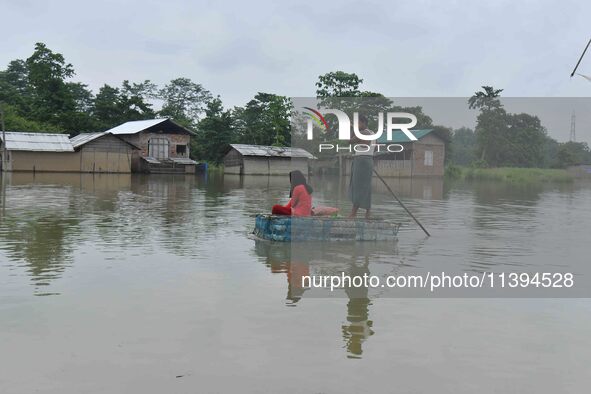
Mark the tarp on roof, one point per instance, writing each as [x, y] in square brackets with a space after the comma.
[271, 151]
[399, 137]
[38, 142]
[136, 126]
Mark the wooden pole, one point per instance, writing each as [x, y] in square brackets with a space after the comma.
[3, 164]
[581, 58]
[401, 204]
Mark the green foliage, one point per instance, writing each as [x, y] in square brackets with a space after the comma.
[517, 175]
[184, 101]
[463, 143]
[341, 90]
[338, 84]
[572, 154]
[505, 139]
[265, 120]
[214, 133]
[15, 122]
[453, 172]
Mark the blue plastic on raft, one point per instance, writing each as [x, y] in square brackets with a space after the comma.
[316, 228]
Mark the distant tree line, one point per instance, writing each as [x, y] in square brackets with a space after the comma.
[503, 139]
[38, 94]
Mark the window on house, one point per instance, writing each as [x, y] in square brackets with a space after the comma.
[429, 158]
[181, 150]
[158, 148]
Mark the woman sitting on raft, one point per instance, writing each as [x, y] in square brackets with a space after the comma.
[300, 203]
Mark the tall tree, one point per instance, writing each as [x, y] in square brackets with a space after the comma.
[265, 120]
[464, 147]
[338, 84]
[184, 100]
[47, 75]
[214, 133]
[491, 122]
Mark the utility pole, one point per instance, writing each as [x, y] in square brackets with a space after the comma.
[573, 126]
[3, 164]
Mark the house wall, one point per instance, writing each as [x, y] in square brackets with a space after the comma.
[141, 141]
[254, 165]
[106, 154]
[44, 161]
[233, 162]
[433, 144]
[411, 164]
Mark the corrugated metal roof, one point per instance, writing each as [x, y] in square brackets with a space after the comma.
[135, 126]
[271, 151]
[398, 136]
[151, 160]
[38, 142]
[182, 160]
[85, 138]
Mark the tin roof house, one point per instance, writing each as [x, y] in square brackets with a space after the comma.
[51, 152]
[424, 157]
[265, 160]
[164, 145]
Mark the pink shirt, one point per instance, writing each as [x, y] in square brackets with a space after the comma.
[301, 202]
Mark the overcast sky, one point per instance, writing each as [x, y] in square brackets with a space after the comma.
[235, 49]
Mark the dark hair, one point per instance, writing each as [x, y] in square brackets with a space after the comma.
[363, 119]
[296, 178]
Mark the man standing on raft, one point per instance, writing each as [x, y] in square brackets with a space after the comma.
[362, 172]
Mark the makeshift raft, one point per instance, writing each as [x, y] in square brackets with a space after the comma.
[322, 228]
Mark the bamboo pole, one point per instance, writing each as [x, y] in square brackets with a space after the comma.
[401, 204]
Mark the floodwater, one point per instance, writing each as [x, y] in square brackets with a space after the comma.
[151, 284]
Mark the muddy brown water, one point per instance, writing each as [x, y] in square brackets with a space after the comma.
[119, 283]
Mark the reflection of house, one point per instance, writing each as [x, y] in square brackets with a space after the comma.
[43, 152]
[424, 157]
[265, 160]
[164, 145]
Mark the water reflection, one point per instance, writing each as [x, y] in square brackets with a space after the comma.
[50, 224]
[349, 259]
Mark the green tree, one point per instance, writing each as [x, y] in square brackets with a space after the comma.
[107, 107]
[50, 96]
[16, 122]
[338, 84]
[113, 106]
[491, 122]
[265, 120]
[184, 101]
[573, 153]
[214, 133]
[522, 142]
[463, 147]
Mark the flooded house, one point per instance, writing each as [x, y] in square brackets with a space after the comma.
[37, 152]
[242, 159]
[103, 152]
[51, 152]
[424, 157]
[164, 146]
